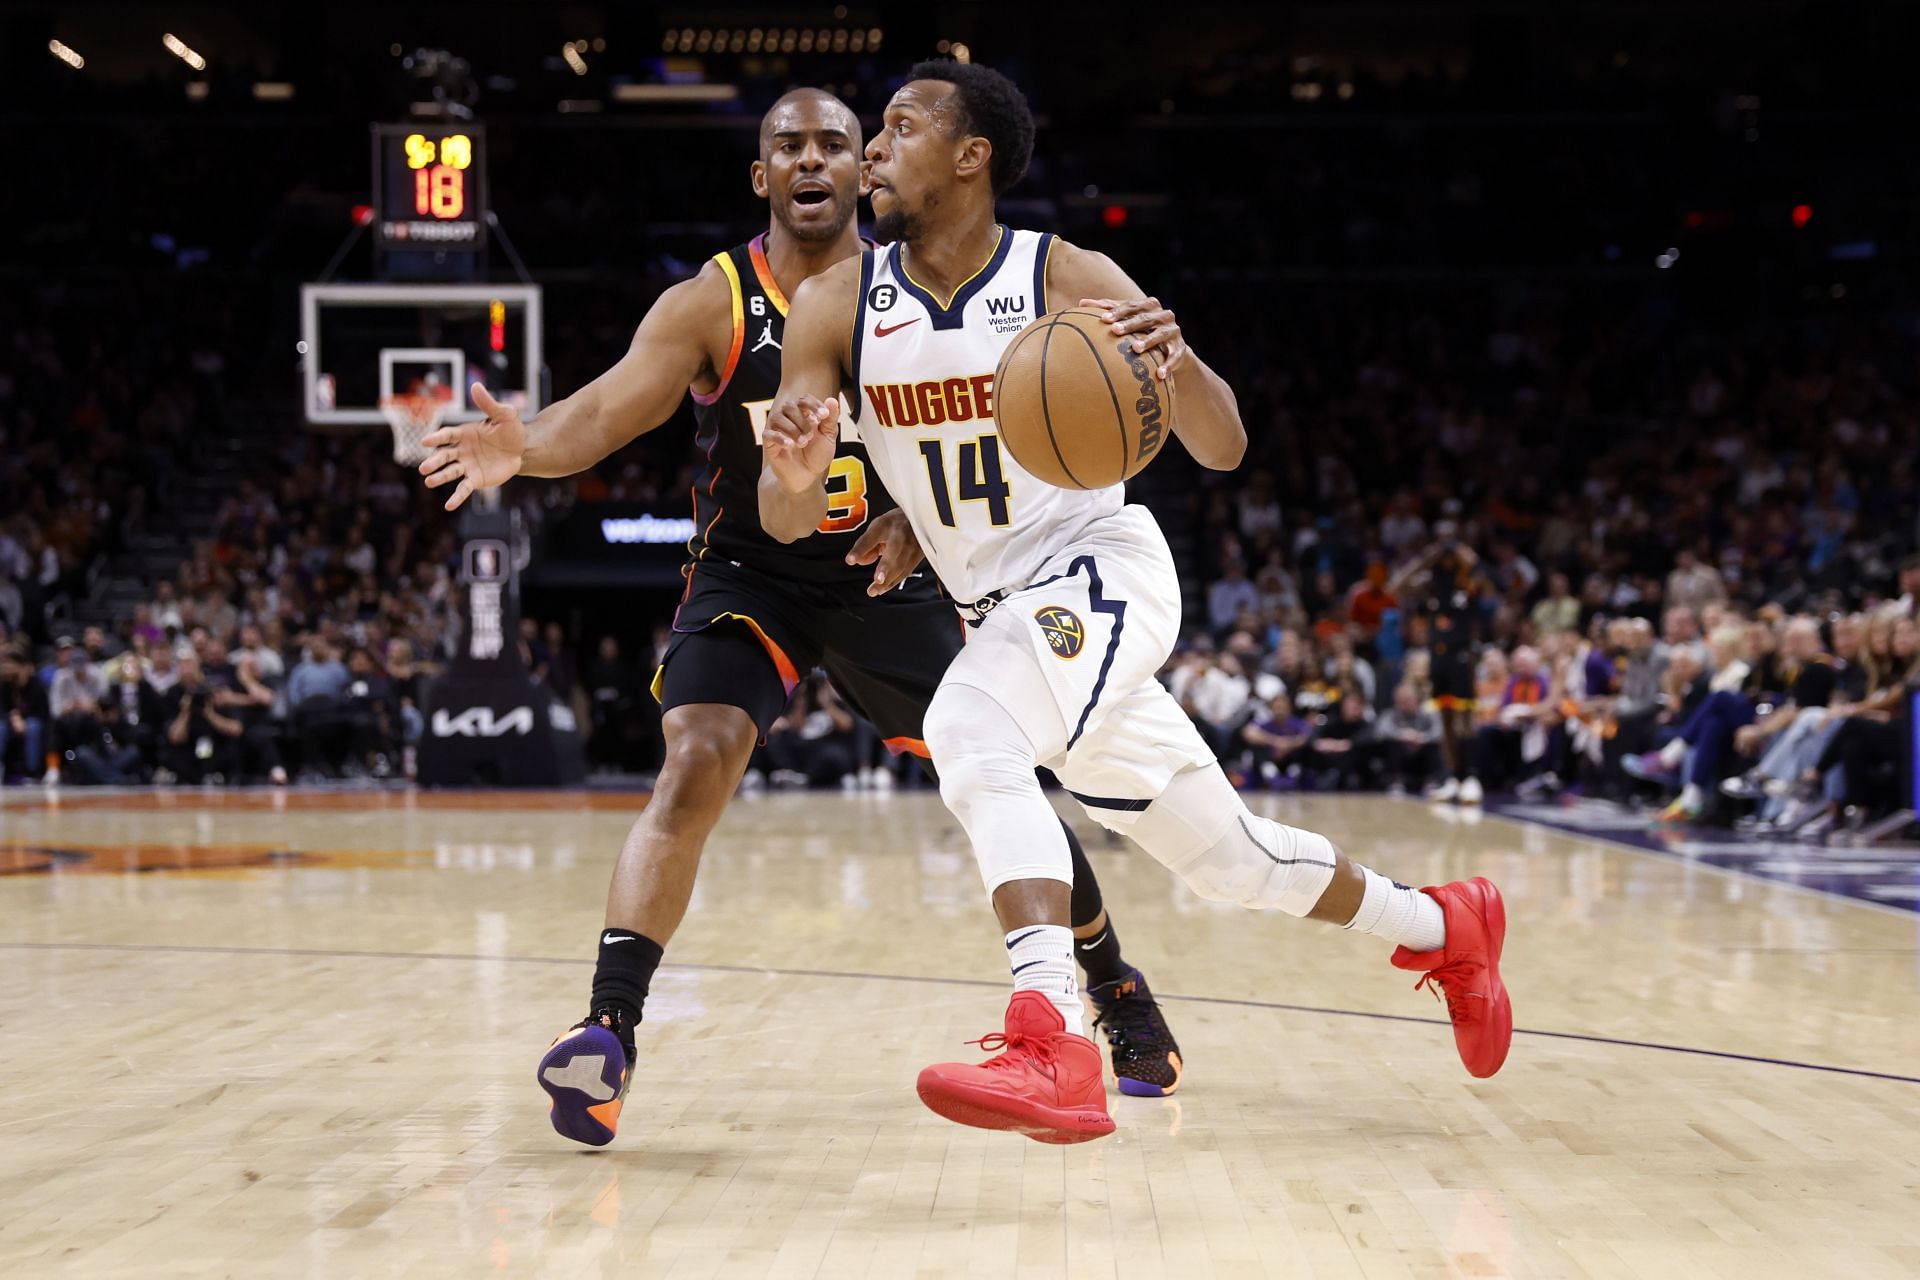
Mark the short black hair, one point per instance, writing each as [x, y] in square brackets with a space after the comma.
[991, 107]
[806, 94]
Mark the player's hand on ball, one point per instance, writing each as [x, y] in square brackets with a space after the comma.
[1152, 325]
[800, 438]
[476, 455]
[891, 547]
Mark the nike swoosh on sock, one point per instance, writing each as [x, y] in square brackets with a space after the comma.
[1093, 942]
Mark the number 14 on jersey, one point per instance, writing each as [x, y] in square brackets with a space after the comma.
[981, 480]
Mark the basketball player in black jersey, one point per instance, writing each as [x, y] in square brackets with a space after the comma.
[757, 614]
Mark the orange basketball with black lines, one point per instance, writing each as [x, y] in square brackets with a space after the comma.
[1076, 405]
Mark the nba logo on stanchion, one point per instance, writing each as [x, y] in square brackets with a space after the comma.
[1064, 632]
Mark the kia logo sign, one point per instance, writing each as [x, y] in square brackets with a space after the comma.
[480, 722]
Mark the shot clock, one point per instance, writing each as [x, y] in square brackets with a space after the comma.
[430, 186]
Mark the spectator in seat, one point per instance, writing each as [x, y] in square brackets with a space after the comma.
[1408, 737]
[1499, 744]
[163, 671]
[269, 667]
[1368, 602]
[1276, 740]
[1679, 629]
[1229, 597]
[1217, 700]
[373, 712]
[409, 689]
[1694, 583]
[316, 710]
[247, 699]
[561, 675]
[811, 745]
[1343, 747]
[1558, 610]
[1638, 703]
[200, 743]
[24, 712]
[1869, 755]
[75, 698]
[1724, 728]
[125, 747]
[614, 692]
[131, 717]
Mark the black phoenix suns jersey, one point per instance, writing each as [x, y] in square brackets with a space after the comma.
[726, 501]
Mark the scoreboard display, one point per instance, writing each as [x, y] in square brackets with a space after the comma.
[429, 186]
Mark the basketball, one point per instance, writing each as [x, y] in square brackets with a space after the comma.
[1076, 405]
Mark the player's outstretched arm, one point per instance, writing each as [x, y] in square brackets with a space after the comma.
[803, 427]
[1206, 416]
[669, 352]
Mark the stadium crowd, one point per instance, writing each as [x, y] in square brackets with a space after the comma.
[1517, 512]
[1422, 580]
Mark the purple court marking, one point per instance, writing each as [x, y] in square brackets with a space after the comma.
[1887, 877]
[305, 952]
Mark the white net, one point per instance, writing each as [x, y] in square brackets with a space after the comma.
[412, 416]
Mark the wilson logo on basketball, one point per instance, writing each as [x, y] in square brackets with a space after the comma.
[1062, 628]
[1148, 404]
[929, 404]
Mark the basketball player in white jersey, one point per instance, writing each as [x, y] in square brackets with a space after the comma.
[1072, 598]
[756, 613]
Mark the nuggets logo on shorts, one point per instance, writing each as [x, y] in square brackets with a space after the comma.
[1063, 630]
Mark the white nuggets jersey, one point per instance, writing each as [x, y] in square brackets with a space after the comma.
[923, 398]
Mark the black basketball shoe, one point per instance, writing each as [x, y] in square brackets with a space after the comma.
[1146, 1059]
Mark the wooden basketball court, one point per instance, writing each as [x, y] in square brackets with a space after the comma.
[295, 1034]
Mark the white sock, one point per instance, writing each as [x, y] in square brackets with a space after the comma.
[1041, 956]
[1692, 799]
[1405, 916]
[1673, 753]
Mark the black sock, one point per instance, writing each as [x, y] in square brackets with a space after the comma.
[1098, 955]
[623, 973]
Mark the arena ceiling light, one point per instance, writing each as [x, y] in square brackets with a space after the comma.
[571, 52]
[66, 54]
[771, 40]
[676, 93]
[178, 48]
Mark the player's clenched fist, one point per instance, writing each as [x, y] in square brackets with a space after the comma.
[800, 438]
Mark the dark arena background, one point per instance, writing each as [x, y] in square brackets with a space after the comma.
[1576, 545]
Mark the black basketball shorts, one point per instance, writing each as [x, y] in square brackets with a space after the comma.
[744, 638]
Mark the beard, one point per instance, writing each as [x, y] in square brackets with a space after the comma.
[900, 223]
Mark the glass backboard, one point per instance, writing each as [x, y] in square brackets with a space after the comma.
[363, 342]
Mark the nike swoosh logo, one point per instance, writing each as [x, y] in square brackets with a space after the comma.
[881, 331]
[609, 940]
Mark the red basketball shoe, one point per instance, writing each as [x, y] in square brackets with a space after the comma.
[1044, 1083]
[1467, 971]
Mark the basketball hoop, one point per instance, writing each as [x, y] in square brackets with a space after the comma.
[413, 415]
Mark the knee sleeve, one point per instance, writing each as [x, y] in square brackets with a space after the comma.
[986, 767]
[1202, 831]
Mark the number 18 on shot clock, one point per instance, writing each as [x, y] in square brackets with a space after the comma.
[429, 186]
